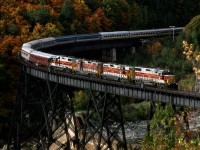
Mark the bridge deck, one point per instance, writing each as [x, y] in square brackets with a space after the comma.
[182, 98]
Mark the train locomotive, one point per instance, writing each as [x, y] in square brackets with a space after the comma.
[30, 52]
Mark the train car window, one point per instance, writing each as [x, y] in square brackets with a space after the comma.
[69, 59]
[138, 69]
[147, 69]
[167, 72]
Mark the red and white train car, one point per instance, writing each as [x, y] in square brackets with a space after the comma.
[37, 57]
[118, 72]
[42, 59]
[25, 53]
[67, 62]
[154, 76]
[94, 67]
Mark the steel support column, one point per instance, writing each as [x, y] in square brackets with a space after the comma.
[71, 126]
[17, 117]
[104, 125]
[151, 113]
[41, 115]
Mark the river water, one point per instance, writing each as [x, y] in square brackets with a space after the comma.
[135, 131]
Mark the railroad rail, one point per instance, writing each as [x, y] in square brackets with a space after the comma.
[174, 97]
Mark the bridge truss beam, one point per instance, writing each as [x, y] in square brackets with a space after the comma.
[104, 122]
[43, 115]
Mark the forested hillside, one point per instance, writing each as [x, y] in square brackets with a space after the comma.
[25, 20]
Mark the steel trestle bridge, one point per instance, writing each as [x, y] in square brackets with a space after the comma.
[44, 110]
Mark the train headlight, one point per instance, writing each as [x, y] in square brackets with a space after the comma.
[170, 80]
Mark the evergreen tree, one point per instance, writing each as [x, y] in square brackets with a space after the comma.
[192, 32]
[67, 16]
[67, 11]
[119, 12]
[40, 15]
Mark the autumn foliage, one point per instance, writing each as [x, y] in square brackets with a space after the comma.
[26, 20]
[193, 56]
[98, 21]
[191, 45]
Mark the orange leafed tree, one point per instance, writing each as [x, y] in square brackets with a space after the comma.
[57, 4]
[49, 30]
[98, 21]
[11, 27]
[10, 45]
[94, 23]
[81, 10]
[154, 47]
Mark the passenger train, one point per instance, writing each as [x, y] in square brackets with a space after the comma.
[124, 73]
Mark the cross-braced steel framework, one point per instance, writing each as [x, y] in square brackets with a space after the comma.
[44, 118]
[104, 126]
[43, 115]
